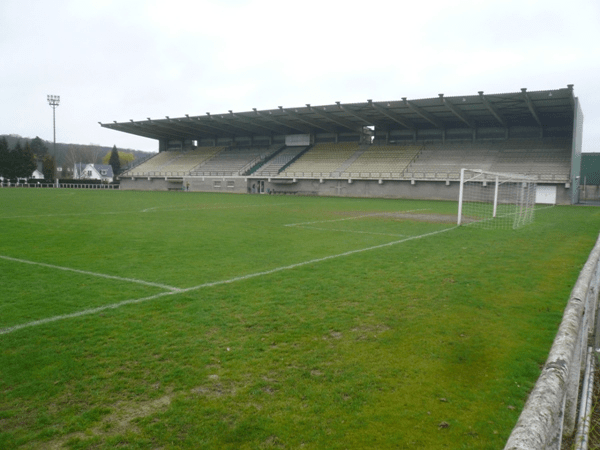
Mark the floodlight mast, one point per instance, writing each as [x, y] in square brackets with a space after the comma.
[53, 101]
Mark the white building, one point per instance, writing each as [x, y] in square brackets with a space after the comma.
[102, 172]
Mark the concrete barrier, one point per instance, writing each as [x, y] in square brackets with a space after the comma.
[550, 411]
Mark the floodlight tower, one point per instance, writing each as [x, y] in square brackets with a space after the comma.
[54, 100]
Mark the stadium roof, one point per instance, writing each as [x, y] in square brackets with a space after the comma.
[536, 108]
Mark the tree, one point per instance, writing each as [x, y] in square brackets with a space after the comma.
[38, 147]
[4, 157]
[114, 160]
[48, 168]
[25, 162]
[94, 152]
[13, 162]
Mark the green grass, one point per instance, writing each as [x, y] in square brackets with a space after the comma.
[374, 349]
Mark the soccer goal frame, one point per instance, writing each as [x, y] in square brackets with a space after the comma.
[496, 200]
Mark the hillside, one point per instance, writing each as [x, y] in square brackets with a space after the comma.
[69, 154]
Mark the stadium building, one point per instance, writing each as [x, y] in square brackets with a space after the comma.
[397, 149]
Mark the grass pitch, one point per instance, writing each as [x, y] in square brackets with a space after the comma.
[186, 320]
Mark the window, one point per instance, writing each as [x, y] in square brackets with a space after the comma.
[89, 173]
[103, 172]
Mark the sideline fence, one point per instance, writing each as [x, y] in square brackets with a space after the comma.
[551, 409]
[60, 185]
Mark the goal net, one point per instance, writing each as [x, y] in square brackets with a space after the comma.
[495, 200]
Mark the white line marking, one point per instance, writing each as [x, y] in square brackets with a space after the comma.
[539, 208]
[214, 283]
[95, 274]
[353, 217]
[513, 213]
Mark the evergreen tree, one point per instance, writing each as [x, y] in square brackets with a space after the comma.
[4, 157]
[26, 162]
[38, 147]
[114, 161]
[14, 161]
[48, 168]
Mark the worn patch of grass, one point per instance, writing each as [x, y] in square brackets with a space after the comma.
[430, 343]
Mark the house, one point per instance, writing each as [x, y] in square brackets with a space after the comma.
[102, 172]
[78, 170]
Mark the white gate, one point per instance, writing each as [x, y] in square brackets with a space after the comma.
[545, 194]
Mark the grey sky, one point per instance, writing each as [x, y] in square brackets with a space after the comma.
[133, 59]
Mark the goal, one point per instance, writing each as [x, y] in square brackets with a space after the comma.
[495, 200]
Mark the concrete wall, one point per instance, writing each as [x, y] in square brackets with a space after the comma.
[237, 185]
[421, 190]
[152, 184]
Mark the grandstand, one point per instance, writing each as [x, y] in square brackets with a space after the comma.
[323, 160]
[174, 162]
[273, 167]
[234, 161]
[383, 161]
[401, 149]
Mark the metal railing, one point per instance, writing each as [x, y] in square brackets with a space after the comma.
[6, 184]
[155, 174]
[551, 409]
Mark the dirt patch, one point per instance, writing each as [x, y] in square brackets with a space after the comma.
[415, 216]
[367, 331]
[432, 218]
[215, 388]
[118, 422]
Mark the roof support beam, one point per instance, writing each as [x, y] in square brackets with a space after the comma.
[270, 117]
[136, 130]
[353, 113]
[395, 117]
[210, 124]
[181, 130]
[350, 126]
[491, 108]
[424, 114]
[196, 131]
[307, 121]
[219, 125]
[457, 112]
[228, 123]
[165, 132]
[206, 130]
[254, 124]
[530, 106]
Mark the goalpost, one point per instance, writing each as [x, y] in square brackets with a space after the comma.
[495, 200]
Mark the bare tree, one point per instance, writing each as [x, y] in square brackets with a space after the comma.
[96, 153]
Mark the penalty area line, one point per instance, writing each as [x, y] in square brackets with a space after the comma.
[215, 283]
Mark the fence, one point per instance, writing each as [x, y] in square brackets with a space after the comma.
[551, 409]
[5, 184]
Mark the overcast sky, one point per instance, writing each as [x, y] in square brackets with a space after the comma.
[129, 59]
